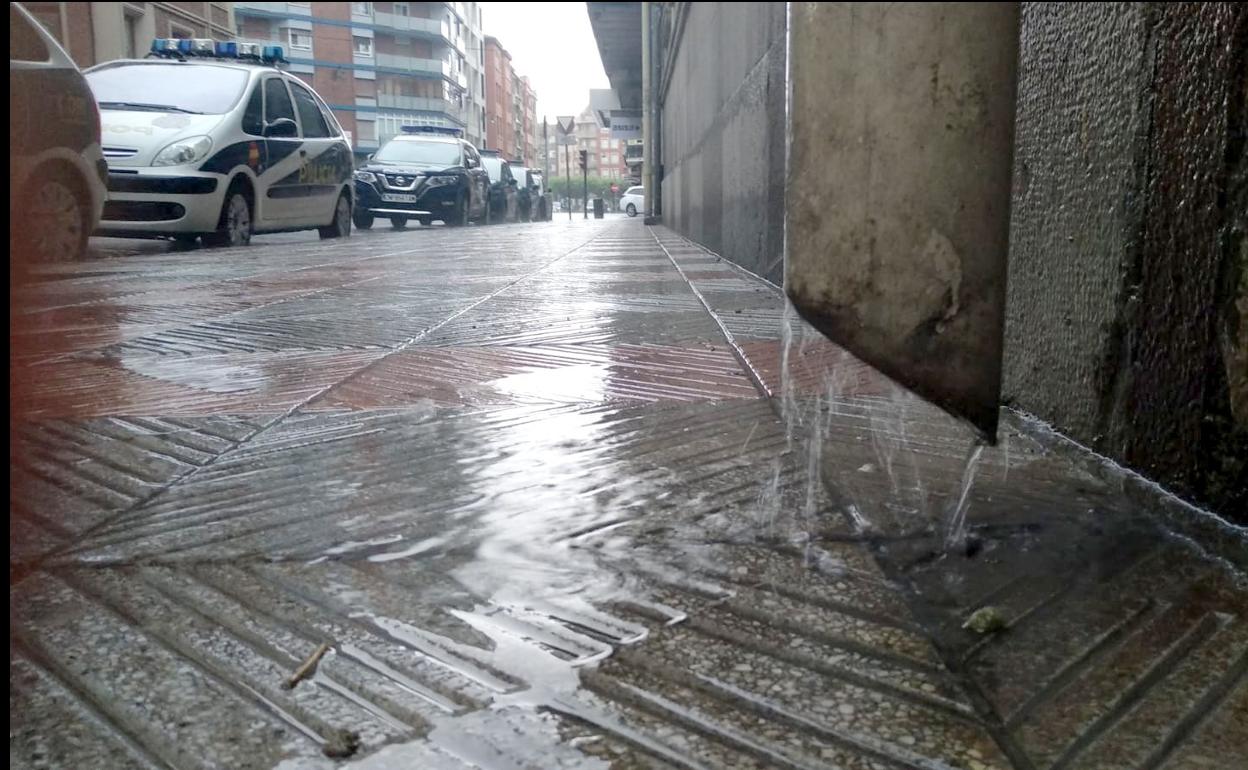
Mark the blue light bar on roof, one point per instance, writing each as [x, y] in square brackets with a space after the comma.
[443, 130]
[180, 48]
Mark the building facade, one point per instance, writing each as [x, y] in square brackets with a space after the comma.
[500, 99]
[512, 125]
[606, 156]
[531, 128]
[93, 33]
[381, 66]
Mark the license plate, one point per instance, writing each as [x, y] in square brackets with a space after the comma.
[398, 198]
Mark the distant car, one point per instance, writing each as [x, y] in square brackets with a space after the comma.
[533, 202]
[633, 201]
[57, 173]
[208, 139]
[424, 173]
[503, 187]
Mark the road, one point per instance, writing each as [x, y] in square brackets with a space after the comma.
[531, 487]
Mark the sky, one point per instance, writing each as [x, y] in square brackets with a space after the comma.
[554, 45]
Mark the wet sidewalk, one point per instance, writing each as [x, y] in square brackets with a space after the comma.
[533, 487]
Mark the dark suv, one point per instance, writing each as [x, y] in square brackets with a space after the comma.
[425, 173]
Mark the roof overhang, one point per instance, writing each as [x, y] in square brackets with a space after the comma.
[617, 28]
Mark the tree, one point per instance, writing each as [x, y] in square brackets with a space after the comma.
[563, 187]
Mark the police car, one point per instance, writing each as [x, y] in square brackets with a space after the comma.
[210, 139]
[56, 169]
[424, 173]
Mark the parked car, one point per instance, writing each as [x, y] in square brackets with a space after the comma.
[209, 139]
[57, 172]
[532, 201]
[504, 188]
[424, 173]
[633, 201]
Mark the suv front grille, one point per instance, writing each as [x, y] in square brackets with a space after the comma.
[402, 181]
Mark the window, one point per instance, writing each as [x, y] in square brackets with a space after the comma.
[253, 116]
[363, 45]
[132, 35]
[277, 101]
[444, 154]
[334, 128]
[24, 41]
[300, 39]
[180, 33]
[309, 113]
[362, 9]
[402, 9]
[199, 90]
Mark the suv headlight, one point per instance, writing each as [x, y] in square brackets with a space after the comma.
[365, 176]
[184, 151]
[438, 181]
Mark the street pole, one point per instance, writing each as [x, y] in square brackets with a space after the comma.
[567, 156]
[585, 190]
[647, 114]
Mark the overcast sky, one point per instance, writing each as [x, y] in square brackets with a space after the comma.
[554, 45]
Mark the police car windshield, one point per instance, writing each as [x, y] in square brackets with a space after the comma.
[443, 154]
[195, 88]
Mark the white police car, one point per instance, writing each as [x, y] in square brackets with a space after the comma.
[209, 139]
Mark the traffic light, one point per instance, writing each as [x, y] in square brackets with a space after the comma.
[584, 159]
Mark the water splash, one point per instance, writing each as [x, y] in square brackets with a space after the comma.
[788, 388]
[955, 528]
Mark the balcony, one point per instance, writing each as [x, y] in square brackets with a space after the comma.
[431, 27]
[276, 9]
[434, 67]
[415, 103]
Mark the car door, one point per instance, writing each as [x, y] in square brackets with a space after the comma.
[322, 156]
[509, 189]
[479, 181]
[280, 185]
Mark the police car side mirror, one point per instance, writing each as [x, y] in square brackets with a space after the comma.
[282, 128]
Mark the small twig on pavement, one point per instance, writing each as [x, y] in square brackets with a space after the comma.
[308, 667]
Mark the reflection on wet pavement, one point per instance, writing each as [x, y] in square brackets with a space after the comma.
[554, 499]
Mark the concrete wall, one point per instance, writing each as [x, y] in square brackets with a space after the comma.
[1120, 311]
[901, 126]
[723, 133]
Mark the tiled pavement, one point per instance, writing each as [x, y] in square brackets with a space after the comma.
[527, 483]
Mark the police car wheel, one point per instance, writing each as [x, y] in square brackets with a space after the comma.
[398, 223]
[57, 221]
[426, 221]
[234, 227]
[632, 210]
[362, 219]
[340, 227]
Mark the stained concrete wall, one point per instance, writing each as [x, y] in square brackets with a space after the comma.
[1123, 264]
[722, 133]
[901, 125]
